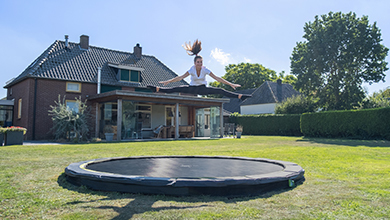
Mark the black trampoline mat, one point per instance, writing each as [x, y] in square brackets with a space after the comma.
[196, 167]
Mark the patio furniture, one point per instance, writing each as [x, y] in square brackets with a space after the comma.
[229, 130]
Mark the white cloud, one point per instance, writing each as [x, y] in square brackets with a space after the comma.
[221, 57]
[247, 60]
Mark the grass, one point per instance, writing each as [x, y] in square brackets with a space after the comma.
[345, 179]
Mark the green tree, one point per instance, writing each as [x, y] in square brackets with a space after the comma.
[247, 75]
[379, 99]
[289, 79]
[341, 52]
[66, 120]
[296, 105]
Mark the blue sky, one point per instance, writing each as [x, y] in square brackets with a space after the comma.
[231, 31]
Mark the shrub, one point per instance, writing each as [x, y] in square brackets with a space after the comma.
[268, 124]
[67, 121]
[362, 124]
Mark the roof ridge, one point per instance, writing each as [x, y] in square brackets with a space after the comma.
[105, 48]
[254, 92]
[272, 92]
[44, 56]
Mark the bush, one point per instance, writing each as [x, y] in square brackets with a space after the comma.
[268, 124]
[361, 124]
[69, 123]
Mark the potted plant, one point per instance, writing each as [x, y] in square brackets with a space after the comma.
[109, 132]
[2, 133]
[239, 130]
[14, 135]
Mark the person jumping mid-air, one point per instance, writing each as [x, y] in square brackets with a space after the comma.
[198, 74]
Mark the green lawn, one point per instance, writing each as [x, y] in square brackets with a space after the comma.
[345, 179]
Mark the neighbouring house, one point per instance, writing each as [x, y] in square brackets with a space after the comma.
[114, 83]
[264, 98]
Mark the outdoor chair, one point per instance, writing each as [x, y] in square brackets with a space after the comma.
[229, 129]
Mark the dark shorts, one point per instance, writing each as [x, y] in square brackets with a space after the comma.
[201, 90]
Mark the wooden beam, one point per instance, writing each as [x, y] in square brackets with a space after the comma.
[119, 121]
[97, 120]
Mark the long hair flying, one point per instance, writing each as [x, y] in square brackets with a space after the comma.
[194, 49]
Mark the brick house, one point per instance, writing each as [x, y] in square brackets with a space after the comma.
[114, 83]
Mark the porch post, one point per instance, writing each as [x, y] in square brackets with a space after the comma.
[119, 121]
[97, 126]
[177, 121]
[221, 129]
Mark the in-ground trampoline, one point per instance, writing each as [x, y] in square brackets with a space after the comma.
[186, 175]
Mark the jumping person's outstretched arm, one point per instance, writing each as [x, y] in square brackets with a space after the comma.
[176, 79]
[221, 80]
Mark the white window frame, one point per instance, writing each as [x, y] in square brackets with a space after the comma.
[20, 108]
[73, 90]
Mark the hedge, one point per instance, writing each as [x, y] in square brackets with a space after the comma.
[288, 125]
[361, 124]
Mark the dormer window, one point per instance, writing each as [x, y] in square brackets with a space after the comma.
[129, 75]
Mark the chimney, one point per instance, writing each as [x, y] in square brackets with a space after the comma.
[279, 91]
[138, 51]
[84, 42]
[66, 41]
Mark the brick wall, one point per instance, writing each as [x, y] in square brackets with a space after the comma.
[21, 91]
[47, 93]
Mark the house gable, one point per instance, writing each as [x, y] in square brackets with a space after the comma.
[263, 100]
[271, 92]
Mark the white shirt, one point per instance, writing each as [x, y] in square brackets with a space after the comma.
[201, 80]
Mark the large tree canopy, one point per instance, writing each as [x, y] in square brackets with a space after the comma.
[341, 52]
[250, 76]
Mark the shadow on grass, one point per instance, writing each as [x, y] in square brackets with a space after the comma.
[347, 142]
[144, 203]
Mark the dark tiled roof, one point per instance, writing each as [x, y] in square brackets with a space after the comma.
[271, 92]
[234, 104]
[76, 64]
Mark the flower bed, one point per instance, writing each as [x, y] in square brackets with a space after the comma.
[13, 135]
[2, 133]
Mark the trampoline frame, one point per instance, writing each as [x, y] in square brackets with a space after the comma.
[292, 174]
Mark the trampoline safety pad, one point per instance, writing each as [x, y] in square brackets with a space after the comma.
[186, 175]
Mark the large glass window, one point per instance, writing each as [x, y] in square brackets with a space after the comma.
[169, 116]
[108, 118]
[129, 121]
[199, 132]
[144, 115]
[6, 113]
[215, 122]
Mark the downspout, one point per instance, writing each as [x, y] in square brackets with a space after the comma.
[34, 108]
[99, 79]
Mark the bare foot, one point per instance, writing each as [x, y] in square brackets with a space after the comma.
[157, 89]
[239, 96]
